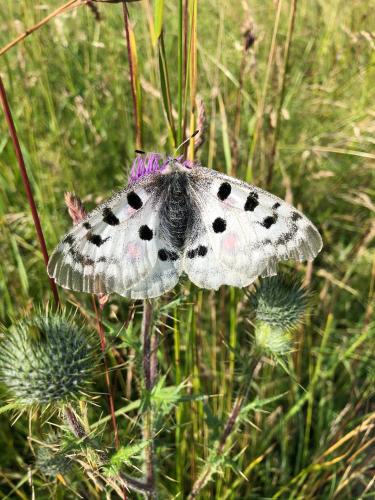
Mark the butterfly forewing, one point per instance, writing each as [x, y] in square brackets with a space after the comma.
[246, 231]
[114, 248]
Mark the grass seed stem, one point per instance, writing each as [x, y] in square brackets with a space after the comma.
[38, 25]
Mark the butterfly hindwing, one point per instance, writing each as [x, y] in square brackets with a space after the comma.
[164, 275]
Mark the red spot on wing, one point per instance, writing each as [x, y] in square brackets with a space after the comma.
[131, 210]
[133, 250]
[230, 242]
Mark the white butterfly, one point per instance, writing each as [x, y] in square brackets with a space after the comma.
[176, 217]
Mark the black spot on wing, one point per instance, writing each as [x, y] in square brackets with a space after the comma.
[81, 259]
[87, 225]
[145, 233]
[276, 205]
[286, 237]
[219, 225]
[192, 253]
[172, 255]
[96, 239]
[69, 239]
[224, 191]
[201, 251]
[296, 216]
[109, 217]
[251, 202]
[134, 200]
[164, 255]
[268, 221]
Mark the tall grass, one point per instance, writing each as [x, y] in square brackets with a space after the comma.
[291, 111]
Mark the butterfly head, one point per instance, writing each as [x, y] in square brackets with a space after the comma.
[153, 163]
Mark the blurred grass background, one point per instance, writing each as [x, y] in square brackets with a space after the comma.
[69, 90]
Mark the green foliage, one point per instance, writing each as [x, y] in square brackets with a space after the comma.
[126, 455]
[47, 358]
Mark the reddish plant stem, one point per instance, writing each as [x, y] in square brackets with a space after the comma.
[103, 345]
[26, 183]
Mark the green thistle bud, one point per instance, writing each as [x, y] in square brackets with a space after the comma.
[47, 358]
[272, 339]
[52, 461]
[279, 308]
[279, 303]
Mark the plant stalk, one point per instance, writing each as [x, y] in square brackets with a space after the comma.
[133, 80]
[180, 73]
[262, 102]
[293, 9]
[149, 373]
[103, 345]
[26, 183]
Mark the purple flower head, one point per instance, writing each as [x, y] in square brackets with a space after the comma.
[151, 163]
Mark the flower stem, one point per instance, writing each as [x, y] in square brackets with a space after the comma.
[149, 373]
[262, 101]
[26, 183]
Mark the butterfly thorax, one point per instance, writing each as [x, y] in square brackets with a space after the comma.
[177, 210]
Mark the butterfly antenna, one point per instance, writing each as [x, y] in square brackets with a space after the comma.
[187, 140]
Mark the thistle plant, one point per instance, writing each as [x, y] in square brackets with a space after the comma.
[47, 358]
[279, 307]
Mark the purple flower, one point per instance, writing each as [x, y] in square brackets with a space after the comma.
[151, 163]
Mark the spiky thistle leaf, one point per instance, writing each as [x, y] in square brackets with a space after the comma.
[51, 460]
